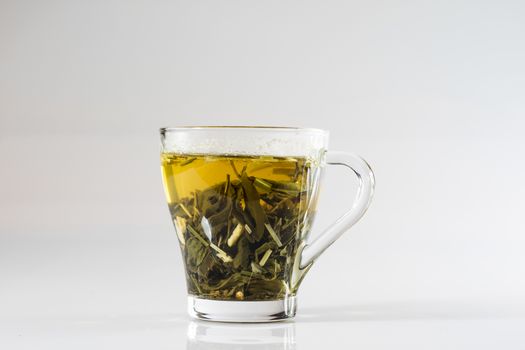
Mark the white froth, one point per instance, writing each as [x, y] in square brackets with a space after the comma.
[280, 142]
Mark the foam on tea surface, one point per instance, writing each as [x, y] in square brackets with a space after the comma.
[305, 143]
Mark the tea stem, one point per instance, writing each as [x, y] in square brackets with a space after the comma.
[273, 234]
[237, 231]
[183, 207]
[265, 257]
[197, 235]
[235, 169]
[188, 161]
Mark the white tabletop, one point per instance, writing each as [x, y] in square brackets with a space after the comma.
[384, 327]
[313, 329]
[82, 293]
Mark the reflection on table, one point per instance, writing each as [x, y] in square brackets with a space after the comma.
[217, 336]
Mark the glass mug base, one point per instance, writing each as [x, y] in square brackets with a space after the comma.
[242, 311]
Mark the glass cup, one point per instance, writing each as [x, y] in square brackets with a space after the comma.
[242, 200]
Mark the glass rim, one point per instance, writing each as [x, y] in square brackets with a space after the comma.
[242, 127]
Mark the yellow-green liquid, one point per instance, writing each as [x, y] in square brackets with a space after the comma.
[240, 221]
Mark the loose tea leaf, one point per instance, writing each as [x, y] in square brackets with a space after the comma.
[253, 204]
[240, 222]
[242, 258]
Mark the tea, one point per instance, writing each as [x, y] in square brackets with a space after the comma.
[240, 221]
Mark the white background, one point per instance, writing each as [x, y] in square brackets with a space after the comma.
[431, 93]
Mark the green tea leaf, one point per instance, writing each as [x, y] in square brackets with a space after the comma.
[254, 207]
[196, 252]
[242, 258]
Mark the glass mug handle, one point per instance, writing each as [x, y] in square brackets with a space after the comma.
[313, 249]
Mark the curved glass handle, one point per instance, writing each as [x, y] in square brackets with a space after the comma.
[364, 196]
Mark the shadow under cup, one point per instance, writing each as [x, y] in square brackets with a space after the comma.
[242, 201]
